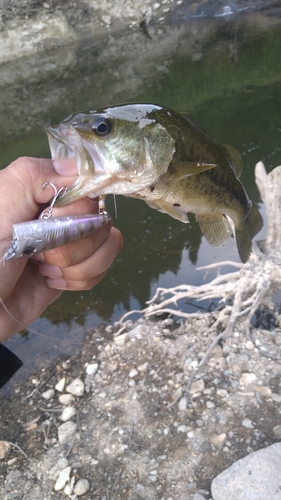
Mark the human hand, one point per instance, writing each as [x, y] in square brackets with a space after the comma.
[28, 286]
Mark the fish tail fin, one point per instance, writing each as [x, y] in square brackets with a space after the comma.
[251, 225]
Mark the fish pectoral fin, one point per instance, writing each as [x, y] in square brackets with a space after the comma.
[189, 168]
[216, 228]
[236, 159]
[167, 208]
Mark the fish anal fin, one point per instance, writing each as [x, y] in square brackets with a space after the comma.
[215, 228]
[189, 168]
[236, 159]
[174, 211]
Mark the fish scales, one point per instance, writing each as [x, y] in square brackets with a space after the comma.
[164, 157]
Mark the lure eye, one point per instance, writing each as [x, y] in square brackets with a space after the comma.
[102, 126]
[28, 252]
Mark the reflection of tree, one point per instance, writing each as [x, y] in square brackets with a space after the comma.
[153, 245]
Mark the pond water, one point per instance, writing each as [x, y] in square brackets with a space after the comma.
[225, 72]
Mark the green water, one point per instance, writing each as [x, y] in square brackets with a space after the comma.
[227, 74]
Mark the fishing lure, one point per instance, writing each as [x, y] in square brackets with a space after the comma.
[40, 235]
[47, 233]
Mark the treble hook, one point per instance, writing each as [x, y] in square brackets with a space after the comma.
[48, 212]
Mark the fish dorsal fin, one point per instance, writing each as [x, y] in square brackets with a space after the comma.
[236, 159]
[168, 208]
[189, 168]
[215, 228]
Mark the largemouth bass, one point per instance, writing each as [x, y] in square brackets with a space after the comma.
[163, 157]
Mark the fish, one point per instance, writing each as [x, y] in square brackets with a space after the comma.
[163, 157]
[36, 236]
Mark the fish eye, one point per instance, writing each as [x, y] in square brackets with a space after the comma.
[28, 251]
[102, 126]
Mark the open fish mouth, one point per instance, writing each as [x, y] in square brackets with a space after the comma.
[60, 150]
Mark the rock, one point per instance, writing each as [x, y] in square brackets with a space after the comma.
[49, 394]
[65, 399]
[68, 490]
[263, 390]
[218, 440]
[76, 387]
[197, 386]
[5, 449]
[247, 423]
[60, 385]
[277, 431]
[66, 432]
[222, 393]
[91, 369]
[133, 373]
[182, 404]
[247, 379]
[81, 487]
[68, 413]
[255, 477]
[62, 463]
[64, 476]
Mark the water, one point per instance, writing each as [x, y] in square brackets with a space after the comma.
[225, 72]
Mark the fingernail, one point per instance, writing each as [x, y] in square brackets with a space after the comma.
[65, 167]
[50, 271]
[58, 284]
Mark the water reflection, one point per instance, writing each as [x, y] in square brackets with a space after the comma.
[225, 73]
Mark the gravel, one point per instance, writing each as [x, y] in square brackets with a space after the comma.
[132, 432]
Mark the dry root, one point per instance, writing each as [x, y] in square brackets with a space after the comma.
[241, 292]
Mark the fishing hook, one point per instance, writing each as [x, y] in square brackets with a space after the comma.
[48, 212]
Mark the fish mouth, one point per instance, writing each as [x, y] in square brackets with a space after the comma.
[93, 179]
[59, 148]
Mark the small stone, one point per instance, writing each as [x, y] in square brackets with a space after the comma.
[81, 487]
[247, 378]
[182, 428]
[92, 368]
[106, 20]
[182, 404]
[49, 394]
[247, 423]
[198, 496]
[13, 461]
[60, 385]
[143, 367]
[62, 463]
[276, 397]
[218, 440]
[249, 345]
[197, 386]
[133, 373]
[66, 432]
[65, 399]
[68, 490]
[5, 449]
[210, 404]
[76, 387]
[68, 413]
[31, 427]
[277, 431]
[265, 391]
[64, 476]
[222, 393]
